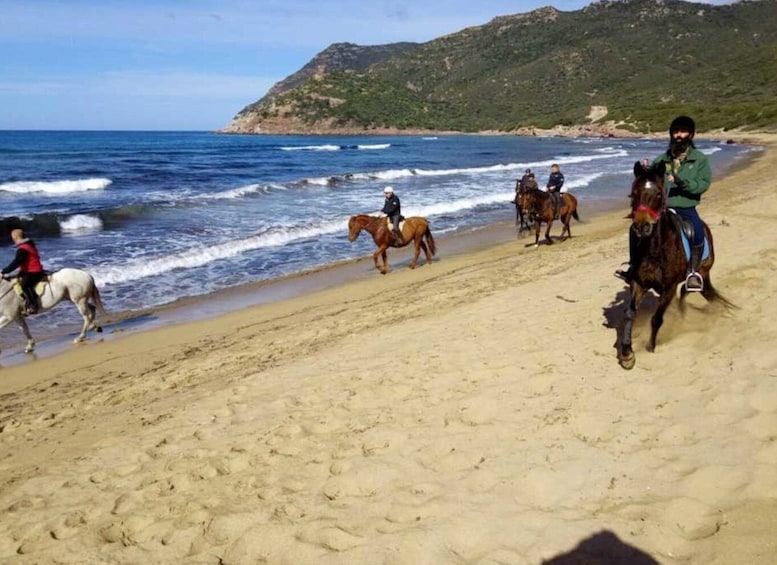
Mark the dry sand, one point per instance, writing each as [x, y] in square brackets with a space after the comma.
[468, 412]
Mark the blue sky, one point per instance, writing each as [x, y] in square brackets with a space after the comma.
[191, 64]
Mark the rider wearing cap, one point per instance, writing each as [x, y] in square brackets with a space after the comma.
[27, 260]
[688, 176]
[392, 209]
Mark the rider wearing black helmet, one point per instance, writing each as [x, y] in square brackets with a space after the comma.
[688, 176]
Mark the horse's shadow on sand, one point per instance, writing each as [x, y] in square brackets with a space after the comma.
[603, 548]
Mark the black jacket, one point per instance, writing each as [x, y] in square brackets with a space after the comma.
[391, 206]
[555, 182]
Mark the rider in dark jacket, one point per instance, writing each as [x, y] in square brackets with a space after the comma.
[555, 182]
[392, 209]
[27, 260]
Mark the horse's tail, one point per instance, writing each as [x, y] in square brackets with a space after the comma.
[430, 240]
[575, 216]
[711, 293]
[95, 296]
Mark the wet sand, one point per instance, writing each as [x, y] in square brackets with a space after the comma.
[471, 411]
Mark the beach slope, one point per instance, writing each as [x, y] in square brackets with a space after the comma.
[472, 411]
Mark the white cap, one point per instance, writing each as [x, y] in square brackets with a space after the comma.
[388, 190]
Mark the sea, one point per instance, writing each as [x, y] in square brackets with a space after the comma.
[156, 217]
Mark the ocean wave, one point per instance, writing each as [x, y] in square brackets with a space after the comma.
[81, 223]
[374, 146]
[234, 192]
[54, 224]
[200, 256]
[55, 187]
[327, 147]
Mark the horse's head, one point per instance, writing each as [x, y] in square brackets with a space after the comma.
[355, 226]
[648, 197]
[525, 199]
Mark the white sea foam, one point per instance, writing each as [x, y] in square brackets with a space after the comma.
[200, 256]
[312, 148]
[374, 146]
[234, 192]
[81, 223]
[56, 187]
[431, 138]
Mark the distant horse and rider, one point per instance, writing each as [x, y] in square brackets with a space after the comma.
[540, 208]
[413, 229]
[661, 257]
[66, 284]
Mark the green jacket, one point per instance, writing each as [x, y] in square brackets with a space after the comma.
[692, 179]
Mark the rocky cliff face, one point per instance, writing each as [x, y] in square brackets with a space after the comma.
[336, 57]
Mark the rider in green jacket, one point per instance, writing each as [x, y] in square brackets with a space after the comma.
[688, 176]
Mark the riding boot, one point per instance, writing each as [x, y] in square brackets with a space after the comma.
[694, 281]
[398, 239]
[30, 303]
[628, 274]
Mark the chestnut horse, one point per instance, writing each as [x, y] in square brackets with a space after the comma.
[539, 205]
[414, 229]
[660, 259]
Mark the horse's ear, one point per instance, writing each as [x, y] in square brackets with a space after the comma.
[639, 170]
[660, 169]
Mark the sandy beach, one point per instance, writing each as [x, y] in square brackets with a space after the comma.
[471, 411]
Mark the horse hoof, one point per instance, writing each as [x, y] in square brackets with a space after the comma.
[628, 362]
[99, 329]
[79, 340]
[29, 349]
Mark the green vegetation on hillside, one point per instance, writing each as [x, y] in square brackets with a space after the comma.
[645, 60]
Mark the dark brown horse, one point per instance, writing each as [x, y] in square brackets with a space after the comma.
[660, 260]
[414, 229]
[539, 205]
[520, 212]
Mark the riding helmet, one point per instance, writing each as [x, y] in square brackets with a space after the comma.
[683, 122]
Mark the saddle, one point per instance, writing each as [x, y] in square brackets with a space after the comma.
[39, 289]
[391, 226]
[685, 229]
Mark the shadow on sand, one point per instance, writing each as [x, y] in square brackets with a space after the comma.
[603, 548]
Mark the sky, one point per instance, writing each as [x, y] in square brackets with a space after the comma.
[191, 64]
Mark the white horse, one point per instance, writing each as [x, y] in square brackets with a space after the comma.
[73, 284]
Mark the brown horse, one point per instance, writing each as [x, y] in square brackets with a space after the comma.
[541, 209]
[660, 260]
[414, 229]
[520, 211]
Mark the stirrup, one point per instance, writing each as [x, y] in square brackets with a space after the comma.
[624, 274]
[694, 282]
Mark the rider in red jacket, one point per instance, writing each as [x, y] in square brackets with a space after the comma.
[27, 260]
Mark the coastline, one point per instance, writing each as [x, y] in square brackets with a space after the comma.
[471, 410]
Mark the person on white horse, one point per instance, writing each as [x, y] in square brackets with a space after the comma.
[31, 271]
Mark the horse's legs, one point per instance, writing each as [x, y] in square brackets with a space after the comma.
[658, 317]
[88, 315]
[375, 257]
[547, 233]
[417, 251]
[26, 330]
[537, 228]
[626, 356]
[426, 252]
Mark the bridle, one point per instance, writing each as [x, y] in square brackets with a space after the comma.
[654, 215]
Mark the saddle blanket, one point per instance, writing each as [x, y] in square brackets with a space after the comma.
[391, 226]
[39, 288]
